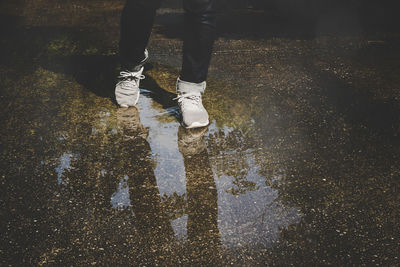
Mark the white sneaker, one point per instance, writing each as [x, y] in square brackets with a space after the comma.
[193, 113]
[127, 88]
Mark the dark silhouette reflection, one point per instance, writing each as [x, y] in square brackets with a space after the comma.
[152, 217]
[152, 224]
[202, 197]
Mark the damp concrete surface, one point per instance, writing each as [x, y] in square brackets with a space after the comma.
[299, 165]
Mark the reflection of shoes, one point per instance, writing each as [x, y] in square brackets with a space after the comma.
[127, 88]
[129, 121]
[191, 141]
[189, 100]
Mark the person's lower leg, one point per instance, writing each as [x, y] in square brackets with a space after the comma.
[137, 20]
[199, 36]
[136, 24]
[200, 32]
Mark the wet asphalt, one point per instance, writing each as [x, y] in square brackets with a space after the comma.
[299, 165]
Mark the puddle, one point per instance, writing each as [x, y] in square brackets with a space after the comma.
[140, 160]
[249, 212]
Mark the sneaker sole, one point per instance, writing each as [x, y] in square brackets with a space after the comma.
[195, 125]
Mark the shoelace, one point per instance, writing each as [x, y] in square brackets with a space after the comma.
[194, 101]
[127, 76]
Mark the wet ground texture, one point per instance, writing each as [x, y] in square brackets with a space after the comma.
[299, 166]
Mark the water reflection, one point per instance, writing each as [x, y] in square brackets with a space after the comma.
[138, 184]
[196, 211]
[202, 187]
[137, 189]
[65, 164]
[214, 172]
[121, 198]
[202, 198]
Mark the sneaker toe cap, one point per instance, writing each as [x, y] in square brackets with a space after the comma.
[195, 119]
[126, 100]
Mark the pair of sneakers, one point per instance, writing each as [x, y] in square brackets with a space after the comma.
[193, 113]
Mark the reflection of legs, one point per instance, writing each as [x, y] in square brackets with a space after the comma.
[129, 120]
[152, 223]
[154, 231]
[202, 226]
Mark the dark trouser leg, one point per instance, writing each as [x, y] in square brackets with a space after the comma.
[136, 23]
[200, 33]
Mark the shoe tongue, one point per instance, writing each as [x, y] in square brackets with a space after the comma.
[191, 95]
[191, 103]
[137, 68]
